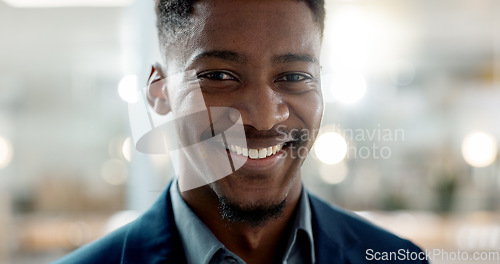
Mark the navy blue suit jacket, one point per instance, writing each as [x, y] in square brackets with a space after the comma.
[340, 237]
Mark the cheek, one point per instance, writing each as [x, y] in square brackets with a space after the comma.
[188, 98]
[190, 111]
[308, 108]
[226, 99]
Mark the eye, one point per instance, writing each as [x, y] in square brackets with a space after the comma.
[293, 77]
[214, 81]
[216, 76]
[296, 82]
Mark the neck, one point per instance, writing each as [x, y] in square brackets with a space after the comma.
[254, 244]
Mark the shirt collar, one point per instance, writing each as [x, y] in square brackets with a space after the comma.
[200, 244]
[197, 240]
[302, 223]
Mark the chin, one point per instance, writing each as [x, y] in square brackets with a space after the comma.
[251, 213]
[254, 188]
[249, 190]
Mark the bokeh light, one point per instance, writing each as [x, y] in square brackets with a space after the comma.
[77, 233]
[127, 149]
[6, 152]
[479, 149]
[127, 88]
[114, 172]
[64, 3]
[348, 87]
[362, 38]
[347, 35]
[333, 174]
[330, 148]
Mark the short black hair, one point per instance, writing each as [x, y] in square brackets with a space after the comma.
[173, 16]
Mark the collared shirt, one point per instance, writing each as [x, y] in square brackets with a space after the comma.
[202, 247]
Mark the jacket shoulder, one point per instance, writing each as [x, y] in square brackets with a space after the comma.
[151, 238]
[107, 249]
[356, 238]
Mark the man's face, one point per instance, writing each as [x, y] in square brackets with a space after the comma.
[262, 59]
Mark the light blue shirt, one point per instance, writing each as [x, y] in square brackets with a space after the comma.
[202, 247]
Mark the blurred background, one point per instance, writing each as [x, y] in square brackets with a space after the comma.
[409, 139]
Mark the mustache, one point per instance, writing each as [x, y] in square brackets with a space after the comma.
[251, 132]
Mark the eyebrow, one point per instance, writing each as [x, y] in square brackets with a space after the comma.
[223, 55]
[239, 58]
[293, 57]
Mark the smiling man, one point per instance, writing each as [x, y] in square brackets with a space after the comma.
[254, 63]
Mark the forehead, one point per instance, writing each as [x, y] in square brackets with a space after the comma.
[257, 29]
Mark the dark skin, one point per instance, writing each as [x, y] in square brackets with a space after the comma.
[266, 65]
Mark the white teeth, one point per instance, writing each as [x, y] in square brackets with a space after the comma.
[275, 149]
[255, 153]
[262, 153]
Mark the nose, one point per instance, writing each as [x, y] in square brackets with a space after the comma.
[262, 107]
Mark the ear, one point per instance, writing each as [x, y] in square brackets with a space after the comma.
[156, 92]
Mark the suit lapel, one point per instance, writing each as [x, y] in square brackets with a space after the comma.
[333, 237]
[154, 238]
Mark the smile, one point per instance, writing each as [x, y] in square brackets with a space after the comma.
[261, 153]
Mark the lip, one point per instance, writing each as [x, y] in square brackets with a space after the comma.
[256, 143]
[264, 164]
[259, 164]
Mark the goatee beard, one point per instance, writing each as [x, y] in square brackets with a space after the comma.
[253, 215]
